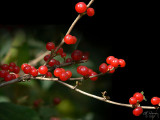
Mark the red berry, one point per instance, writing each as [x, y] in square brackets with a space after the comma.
[63, 76]
[85, 56]
[4, 67]
[34, 72]
[24, 65]
[57, 62]
[81, 7]
[115, 62]
[111, 69]
[155, 100]
[89, 71]
[56, 100]
[48, 74]
[10, 68]
[60, 51]
[137, 111]
[27, 70]
[83, 70]
[57, 72]
[52, 62]
[46, 57]
[69, 73]
[109, 59]
[90, 12]
[138, 96]
[8, 77]
[63, 70]
[68, 60]
[76, 55]
[103, 68]
[13, 76]
[133, 100]
[63, 55]
[16, 69]
[12, 64]
[43, 69]
[3, 73]
[74, 40]
[68, 39]
[93, 78]
[50, 46]
[122, 63]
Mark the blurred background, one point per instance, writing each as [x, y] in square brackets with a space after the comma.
[117, 29]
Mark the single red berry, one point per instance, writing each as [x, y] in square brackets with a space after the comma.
[12, 64]
[83, 70]
[68, 60]
[24, 65]
[133, 100]
[10, 68]
[57, 62]
[48, 74]
[85, 56]
[111, 69]
[63, 70]
[63, 76]
[37, 103]
[122, 63]
[8, 77]
[13, 76]
[90, 71]
[63, 55]
[90, 12]
[3, 73]
[56, 100]
[103, 68]
[74, 39]
[76, 55]
[138, 96]
[109, 59]
[69, 73]
[52, 62]
[93, 78]
[16, 69]
[50, 46]
[46, 57]
[27, 70]
[34, 72]
[81, 7]
[137, 111]
[115, 62]
[155, 100]
[5, 67]
[68, 39]
[57, 72]
[43, 69]
[60, 50]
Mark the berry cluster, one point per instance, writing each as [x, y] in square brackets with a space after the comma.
[86, 72]
[9, 72]
[28, 69]
[62, 74]
[135, 100]
[113, 63]
[81, 7]
[69, 39]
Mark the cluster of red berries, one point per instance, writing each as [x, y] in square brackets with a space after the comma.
[9, 72]
[69, 39]
[135, 100]
[113, 63]
[62, 74]
[28, 69]
[81, 7]
[85, 71]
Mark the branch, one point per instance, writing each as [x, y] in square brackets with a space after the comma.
[94, 96]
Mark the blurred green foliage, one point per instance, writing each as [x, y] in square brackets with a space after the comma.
[22, 44]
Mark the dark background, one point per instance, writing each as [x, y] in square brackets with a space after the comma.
[129, 30]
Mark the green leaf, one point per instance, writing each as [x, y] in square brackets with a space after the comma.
[9, 111]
